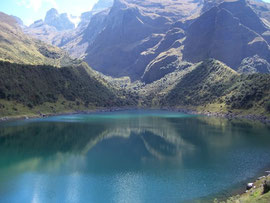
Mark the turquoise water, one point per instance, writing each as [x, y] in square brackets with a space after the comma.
[128, 156]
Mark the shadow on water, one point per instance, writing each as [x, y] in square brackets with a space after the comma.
[197, 156]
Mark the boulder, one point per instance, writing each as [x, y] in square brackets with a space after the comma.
[249, 186]
[266, 186]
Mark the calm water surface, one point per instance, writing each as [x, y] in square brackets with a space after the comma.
[132, 156]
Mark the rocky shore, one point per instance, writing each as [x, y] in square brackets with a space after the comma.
[45, 115]
[229, 115]
[257, 191]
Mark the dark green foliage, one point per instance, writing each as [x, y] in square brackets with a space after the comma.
[268, 106]
[203, 85]
[34, 85]
[2, 94]
[211, 81]
[49, 54]
[266, 187]
[247, 90]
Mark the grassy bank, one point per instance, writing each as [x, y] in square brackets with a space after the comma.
[254, 195]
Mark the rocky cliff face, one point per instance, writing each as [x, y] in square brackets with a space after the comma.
[57, 29]
[59, 21]
[131, 29]
[136, 30]
[102, 5]
[84, 35]
[226, 34]
[144, 39]
[254, 64]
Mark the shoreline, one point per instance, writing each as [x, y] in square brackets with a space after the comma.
[45, 115]
[254, 194]
[228, 115]
[235, 191]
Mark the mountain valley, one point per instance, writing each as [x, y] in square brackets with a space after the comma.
[205, 56]
[175, 93]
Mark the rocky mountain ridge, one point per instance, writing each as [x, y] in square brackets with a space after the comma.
[142, 39]
[59, 21]
[59, 30]
[163, 58]
[154, 35]
[226, 33]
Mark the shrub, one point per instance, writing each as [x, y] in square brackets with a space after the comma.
[2, 94]
[266, 187]
[268, 106]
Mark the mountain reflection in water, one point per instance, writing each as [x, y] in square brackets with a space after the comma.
[158, 149]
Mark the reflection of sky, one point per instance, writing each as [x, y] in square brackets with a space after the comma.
[124, 188]
[140, 159]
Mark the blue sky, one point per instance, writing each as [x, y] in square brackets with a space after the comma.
[32, 10]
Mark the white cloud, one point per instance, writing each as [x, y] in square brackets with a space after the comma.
[74, 19]
[36, 4]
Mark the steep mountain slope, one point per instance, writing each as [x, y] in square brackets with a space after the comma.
[132, 43]
[214, 87]
[59, 21]
[18, 20]
[41, 31]
[254, 65]
[261, 8]
[102, 5]
[205, 83]
[242, 10]
[31, 84]
[16, 47]
[206, 87]
[58, 30]
[141, 39]
[131, 28]
[163, 55]
[84, 35]
[229, 33]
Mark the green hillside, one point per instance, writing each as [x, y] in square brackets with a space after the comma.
[214, 87]
[204, 84]
[16, 47]
[28, 89]
[37, 78]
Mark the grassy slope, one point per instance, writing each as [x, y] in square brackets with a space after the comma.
[252, 196]
[214, 87]
[205, 83]
[38, 78]
[16, 47]
[28, 90]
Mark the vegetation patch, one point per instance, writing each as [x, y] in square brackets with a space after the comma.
[30, 87]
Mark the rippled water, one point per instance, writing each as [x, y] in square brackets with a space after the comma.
[132, 156]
